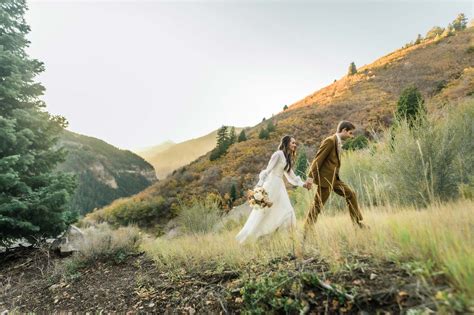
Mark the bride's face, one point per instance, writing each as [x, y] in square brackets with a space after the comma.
[292, 144]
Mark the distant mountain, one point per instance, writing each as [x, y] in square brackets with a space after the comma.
[168, 156]
[150, 151]
[104, 172]
[441, 68]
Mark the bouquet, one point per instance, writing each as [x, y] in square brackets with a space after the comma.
[259, 197]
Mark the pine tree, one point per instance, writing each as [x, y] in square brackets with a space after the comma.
[301, 164]
[460, 22]
[418, 39]
[270, 127]
[285, 107]
[352, 69]
[222, 136]
[233, 193]
[448, 31]
[33, 197]
[410, 106]
[232, 136]
[263, 134]
[242, 136]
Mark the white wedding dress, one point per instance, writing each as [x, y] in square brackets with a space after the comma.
[281, 213]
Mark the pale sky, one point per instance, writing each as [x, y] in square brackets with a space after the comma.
[137, 73]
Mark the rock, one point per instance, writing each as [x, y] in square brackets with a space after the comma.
[69, 241]
[373, 276]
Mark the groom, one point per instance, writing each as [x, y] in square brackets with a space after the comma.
[325, 173]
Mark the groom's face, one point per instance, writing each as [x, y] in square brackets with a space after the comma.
[346, 134]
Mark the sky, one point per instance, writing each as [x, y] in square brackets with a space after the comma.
[138, 73]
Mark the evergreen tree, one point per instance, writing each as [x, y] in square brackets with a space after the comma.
[460, 22]
[352, 69]
[270, 127]
[285, 107]
[448, 31]
[33, 197]
[222, 137]
[232, 136]
[301, 164]
[242, 136]
[233, 193]
[225, 139]
[410, 105]
[418, 39]
[263, 134]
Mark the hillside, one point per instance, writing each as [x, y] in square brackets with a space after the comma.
[441, 69]
[169, 156]
[104, 172]
[148, 151]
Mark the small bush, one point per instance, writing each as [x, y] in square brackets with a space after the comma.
[199, 216]
[102, 243]
[357, 143]
[134, 210]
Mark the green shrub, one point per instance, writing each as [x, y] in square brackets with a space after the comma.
[357, 143]
[264, 134]
[136, 210]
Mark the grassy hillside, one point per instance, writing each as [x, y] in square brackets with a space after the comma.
[171, 156]
[104, 172]
[441, 69]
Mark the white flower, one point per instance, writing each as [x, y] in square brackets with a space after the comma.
[258, 196]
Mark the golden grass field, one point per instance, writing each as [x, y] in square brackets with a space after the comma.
[441, 236]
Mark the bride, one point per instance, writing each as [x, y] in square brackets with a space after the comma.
[281, 213]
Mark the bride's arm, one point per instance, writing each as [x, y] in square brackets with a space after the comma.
[293, 179]
[271, 164]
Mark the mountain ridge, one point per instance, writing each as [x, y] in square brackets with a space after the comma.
[368, 98]
[104, 172]
[168, 159]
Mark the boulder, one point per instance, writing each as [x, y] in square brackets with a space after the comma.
[69, 241]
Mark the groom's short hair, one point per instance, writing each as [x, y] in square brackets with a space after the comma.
[344, 124]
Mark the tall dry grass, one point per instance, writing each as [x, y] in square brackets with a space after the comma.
[431, 162]
[441, 233]
[407, 184]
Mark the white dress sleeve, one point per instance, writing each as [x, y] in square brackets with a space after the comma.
[271, 164]
[293, 179]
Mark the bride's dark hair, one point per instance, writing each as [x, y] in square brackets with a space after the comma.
[289, 155]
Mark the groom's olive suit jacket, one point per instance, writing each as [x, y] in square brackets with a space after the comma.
[325, 167]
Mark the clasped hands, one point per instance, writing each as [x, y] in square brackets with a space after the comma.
[308, 184]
